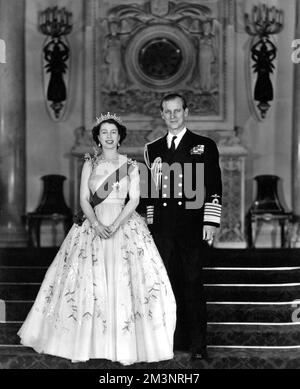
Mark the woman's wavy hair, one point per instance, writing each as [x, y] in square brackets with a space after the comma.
[121, 130]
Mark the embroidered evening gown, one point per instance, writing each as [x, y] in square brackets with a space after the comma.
[105, 298]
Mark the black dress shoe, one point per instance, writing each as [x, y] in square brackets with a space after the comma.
[199, 354]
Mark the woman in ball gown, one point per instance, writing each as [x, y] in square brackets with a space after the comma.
[106, 294]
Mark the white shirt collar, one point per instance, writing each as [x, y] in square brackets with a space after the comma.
[177, 140]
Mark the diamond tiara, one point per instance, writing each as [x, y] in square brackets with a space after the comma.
[101, 118]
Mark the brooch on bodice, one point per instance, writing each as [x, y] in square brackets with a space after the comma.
[94, 160]
[132, 162]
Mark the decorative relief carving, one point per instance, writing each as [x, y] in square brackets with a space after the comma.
[156, 129]
[114, 77]
[208, 59]
[186, 45]
[232, 225]
[135, 138]
[231, 138]
[147, 102]
[159, 8]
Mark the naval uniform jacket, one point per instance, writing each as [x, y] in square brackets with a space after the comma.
[167, 212]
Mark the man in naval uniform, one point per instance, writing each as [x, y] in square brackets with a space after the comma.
[183, 214]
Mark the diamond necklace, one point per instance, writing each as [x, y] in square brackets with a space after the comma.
[101, 159]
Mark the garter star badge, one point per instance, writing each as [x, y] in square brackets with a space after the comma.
[198, 150]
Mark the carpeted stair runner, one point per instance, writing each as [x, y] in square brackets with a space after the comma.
[253, 310]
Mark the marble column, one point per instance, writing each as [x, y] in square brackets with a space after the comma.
[12, 125]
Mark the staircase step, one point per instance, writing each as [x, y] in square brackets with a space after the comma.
[25, 256]
[18, 291]
[248, 276]
[210, 275]
[251, 293]
[218, 334]
[255, 313]
[22, 274]
[217, 312]
[269, 257]
[17, 310]
[257, 257]
[8, 333]
[231, 276]
[214, 292]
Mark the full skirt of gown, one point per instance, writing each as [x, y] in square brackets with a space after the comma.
[104, 298]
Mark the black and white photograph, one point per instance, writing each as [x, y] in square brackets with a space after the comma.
[149, 188]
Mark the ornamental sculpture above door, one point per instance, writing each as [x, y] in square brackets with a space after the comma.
[143, 49]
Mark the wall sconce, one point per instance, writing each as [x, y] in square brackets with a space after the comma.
[56, 23]
[263, 22]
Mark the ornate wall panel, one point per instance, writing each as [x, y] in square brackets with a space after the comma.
[233, 213]
[143, 49]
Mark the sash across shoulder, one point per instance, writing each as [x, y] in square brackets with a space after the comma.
[108, 184]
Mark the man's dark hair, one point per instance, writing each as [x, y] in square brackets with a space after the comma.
[173, 96]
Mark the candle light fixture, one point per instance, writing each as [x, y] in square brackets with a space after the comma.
[261, 24]
[56, 24]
